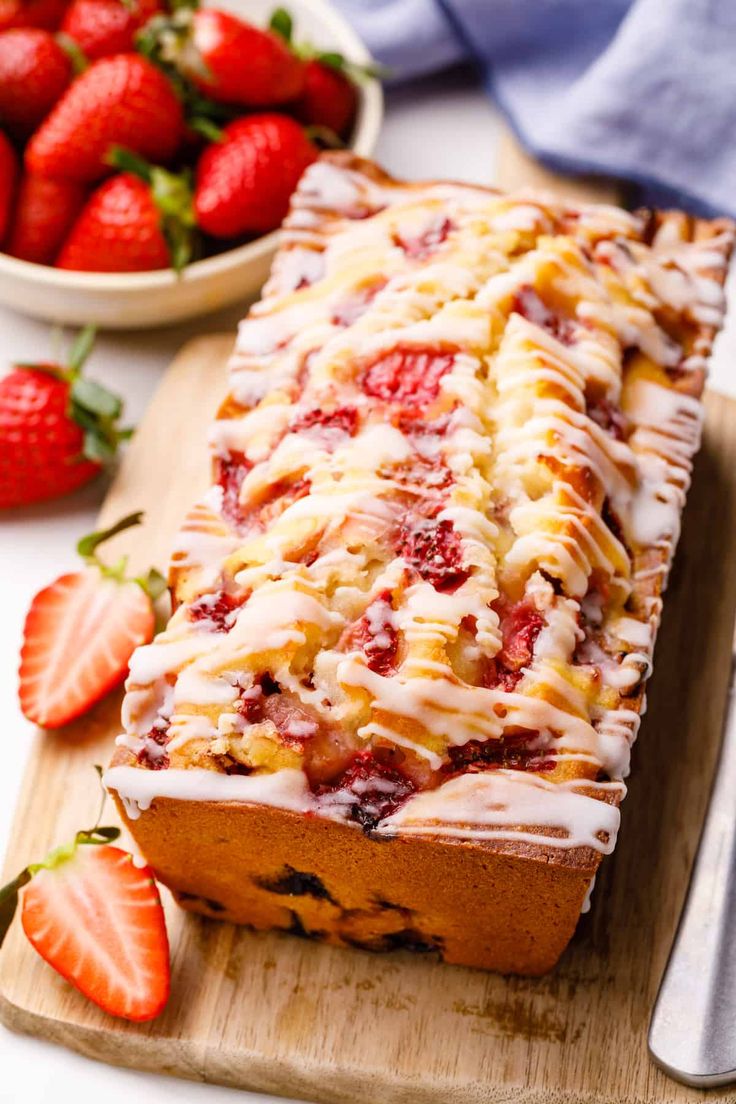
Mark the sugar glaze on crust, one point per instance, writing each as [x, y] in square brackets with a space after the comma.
[422, 594]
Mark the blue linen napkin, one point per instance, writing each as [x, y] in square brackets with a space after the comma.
[639, 89]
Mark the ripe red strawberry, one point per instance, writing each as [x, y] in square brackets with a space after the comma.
[520, 625]
[57, 428]
[329, 98]
[230, 60]
[244, 182]
[118, 231]
[407, 374]
[34, 71]
[122, 100]
[132, 223]
[106, 616]
[44, 211]
[97, 920]
[94, 914]
[105, 27]
[8, 177]
[433, 548]
[31, 13]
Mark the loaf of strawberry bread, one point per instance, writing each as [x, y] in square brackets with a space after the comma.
[415, 612]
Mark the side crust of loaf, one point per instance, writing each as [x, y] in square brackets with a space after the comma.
[473, 903]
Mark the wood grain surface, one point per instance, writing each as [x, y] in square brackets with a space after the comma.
[296, 1018]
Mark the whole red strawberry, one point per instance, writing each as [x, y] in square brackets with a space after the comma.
[34, 71]
[230, 60]
[105, 27]
[44, 211]
[245, 181]
[56, 429]
[31, 13]
[329, 98]
[135, 222]
[122, 100]
[8, 177]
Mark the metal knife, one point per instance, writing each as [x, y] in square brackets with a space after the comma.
[692, 1035]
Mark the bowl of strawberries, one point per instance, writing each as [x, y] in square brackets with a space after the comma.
[148, 148]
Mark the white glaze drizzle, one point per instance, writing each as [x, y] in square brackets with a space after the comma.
[518, 433]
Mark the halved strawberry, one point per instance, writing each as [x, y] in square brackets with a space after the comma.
[95, 916]
[80, 633]
[407, 374]
[97, 919]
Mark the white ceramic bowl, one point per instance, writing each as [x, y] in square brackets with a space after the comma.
[142, 299]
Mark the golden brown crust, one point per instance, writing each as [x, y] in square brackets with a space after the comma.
[473, 903]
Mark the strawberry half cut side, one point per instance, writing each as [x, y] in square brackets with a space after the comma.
[80, 633]
[95, 916]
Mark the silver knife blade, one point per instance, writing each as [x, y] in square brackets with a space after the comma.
[692, 1035]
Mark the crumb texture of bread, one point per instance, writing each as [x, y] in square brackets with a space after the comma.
[416, 611]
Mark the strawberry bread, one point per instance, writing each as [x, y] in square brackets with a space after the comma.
[415, 613]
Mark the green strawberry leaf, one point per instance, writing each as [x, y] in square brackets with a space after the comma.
[93, 408]
[94, 399]
[333, 59]
[282, 24]
[154, 584]
[350, 69]
[207, 128]
[124, 159]
[96, 448]
[81, 348]
[172, 194]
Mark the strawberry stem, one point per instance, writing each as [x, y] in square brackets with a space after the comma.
[152, 583]
[324, 137]
[87, 546]
[81, 348]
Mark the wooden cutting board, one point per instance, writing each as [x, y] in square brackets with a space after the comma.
[295, 1018]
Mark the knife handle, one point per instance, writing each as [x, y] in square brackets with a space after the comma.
[692, 1035]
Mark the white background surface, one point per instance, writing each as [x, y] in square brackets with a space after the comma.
[443, 128]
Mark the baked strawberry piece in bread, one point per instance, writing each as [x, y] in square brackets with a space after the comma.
[416, 610]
